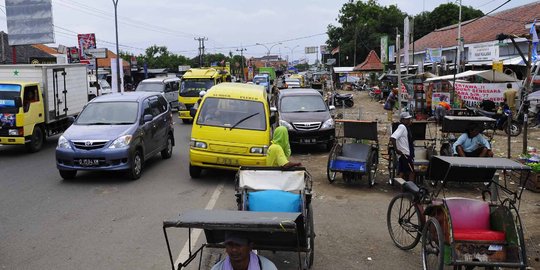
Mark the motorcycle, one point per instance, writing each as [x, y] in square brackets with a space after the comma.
[340, 100]
[375, 93]
[502, 120]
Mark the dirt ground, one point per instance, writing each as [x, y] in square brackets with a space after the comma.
[331, 199]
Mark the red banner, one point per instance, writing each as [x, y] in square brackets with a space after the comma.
[86, 41]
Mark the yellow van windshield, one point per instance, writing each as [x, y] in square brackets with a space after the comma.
[232, 113]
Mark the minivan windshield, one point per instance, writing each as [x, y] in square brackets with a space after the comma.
[109, 113]
[259, 80]
[192, 87]
[304, 103]
[232, 113]
[150, 87]
[8, 93]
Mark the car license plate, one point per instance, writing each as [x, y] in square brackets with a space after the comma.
[308, 140]
[227, 161]
[89, 162]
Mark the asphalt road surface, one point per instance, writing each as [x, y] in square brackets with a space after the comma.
[105, 221]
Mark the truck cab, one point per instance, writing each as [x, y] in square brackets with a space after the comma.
[97, 88]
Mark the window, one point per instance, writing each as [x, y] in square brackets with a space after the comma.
[30, 96]
[229, 113]
[163, 104]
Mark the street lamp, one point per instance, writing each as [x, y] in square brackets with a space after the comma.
[118, 82]
[268, 51]
[292, 51]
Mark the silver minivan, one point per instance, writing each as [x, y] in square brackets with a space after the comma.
[168, 86]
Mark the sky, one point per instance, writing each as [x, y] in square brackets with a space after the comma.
[227, 25]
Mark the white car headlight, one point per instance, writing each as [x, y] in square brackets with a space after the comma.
[328, 124]
[285, 124]
[198, 144]
[258, 150]
[63, 143]
[121, 142]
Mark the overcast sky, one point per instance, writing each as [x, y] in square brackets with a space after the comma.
[228, 25]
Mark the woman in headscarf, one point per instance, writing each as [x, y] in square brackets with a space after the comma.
[280, 150]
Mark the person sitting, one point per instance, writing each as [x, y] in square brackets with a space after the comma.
[29, 97]
[280, 150]
[240, 255]
[472, 143]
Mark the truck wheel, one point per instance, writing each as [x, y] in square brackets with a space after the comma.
[36, 141]
[67, 175]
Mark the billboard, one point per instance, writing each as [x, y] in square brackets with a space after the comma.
[434, 55]
[392, 53]
[323, 49]
[311, 50]
[486, 51]
[384, 49]
[86, 41]
[29, 22]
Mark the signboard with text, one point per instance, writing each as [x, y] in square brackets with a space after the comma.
[384, 49]
[311, 50]
[434, 55]
[486, 51]
[474, 93]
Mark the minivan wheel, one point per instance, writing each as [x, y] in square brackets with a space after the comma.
[167, 152]
[136, 166]
[195, 171]
[67, 174]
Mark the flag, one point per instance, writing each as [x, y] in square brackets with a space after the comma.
[534, 37]
[336, 50]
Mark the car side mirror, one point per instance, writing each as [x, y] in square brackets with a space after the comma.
[18, 102]
[192, 112]
[147, 118]
[331, 107]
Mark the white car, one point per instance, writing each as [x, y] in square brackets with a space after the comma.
[292, 83]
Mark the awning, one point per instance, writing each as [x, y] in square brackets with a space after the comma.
[490, 75]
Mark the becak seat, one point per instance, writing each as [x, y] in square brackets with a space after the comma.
[470, 220]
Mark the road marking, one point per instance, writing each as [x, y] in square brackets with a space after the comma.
[184, 253]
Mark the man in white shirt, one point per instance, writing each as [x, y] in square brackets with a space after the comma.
[240, 255]
[402, 141]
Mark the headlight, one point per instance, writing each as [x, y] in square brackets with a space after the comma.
[258, 150]
[182, 106]
[197, 144]
[63, 143]
[328, 124]
[14, 132]
[285, 124]
[121, 142]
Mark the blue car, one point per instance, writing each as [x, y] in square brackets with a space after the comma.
[117, 132]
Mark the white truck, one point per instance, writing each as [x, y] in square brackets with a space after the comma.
[37, 101]
[97, 88]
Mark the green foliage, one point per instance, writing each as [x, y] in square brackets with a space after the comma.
[442, 16]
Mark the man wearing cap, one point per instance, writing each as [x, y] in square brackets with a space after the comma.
[240, 255]
[402, 140]
[472, 143]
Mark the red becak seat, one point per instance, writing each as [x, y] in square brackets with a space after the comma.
[470, 220]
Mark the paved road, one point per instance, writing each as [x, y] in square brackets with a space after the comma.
[104, 221]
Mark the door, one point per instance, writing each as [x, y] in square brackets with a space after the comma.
[158, 105]
[149, 130]
[32, 107]
[171, 93]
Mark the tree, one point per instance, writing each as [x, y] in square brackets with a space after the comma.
[442, 16]
[160, 57]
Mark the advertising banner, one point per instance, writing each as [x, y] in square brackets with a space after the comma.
[392, 53]
[486, 51]
[437, 97]
[311, 50]
[473, 93]
[434, 55]
[114, 77]
[384, 49]
[86, 41]
[29, 22]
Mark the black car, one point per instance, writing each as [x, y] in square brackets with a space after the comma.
[117, 132]
[307, 117]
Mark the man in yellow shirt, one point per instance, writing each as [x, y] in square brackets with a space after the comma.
[510, 97]
[280, 150]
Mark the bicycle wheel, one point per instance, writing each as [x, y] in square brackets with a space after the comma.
[392, 166]
[403, 220]
[432, 245]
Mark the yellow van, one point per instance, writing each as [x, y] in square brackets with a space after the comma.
[300, 78]
[231, 128]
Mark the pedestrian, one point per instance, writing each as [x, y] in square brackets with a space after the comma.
[510, 97]
[390, 104]
[240, 255]
[402, 140]
[441, 109]
[280, 150]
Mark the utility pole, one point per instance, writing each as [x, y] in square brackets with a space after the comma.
[118, 79]
[241, 50]
[355, 38]
[458, 53]
[526, 96]
[398, 67]
[201, 50]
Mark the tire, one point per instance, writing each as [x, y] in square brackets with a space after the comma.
[195, 171]
[331, 175]
[136, 163]
[167, 152]
[67, 174]
[349, 103]
[515, 129]
[310, 233]
[432, 245]
[36, 140]
[186, 121]
[403, 221]
[392, 165]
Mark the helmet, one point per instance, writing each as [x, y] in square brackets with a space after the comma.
[202, 93]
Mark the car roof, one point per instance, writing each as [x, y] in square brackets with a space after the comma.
[126, 96]
[160, 80]
[237, 90]
[299, 92]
